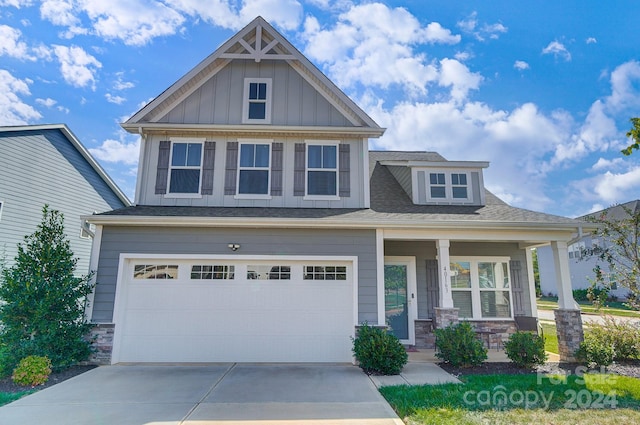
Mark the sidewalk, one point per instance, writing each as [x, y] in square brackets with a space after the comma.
[548, 315]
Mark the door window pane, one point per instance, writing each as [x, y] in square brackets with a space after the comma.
[396, 306]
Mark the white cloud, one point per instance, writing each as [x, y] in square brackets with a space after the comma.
[118, 100]
[625, 93]
[10, 44]
[457, 76]
[63, 13]
[471, 26]
[591, 40]
[605, 164]
[463, 56]
[13, 110]
[120, 151]
[48, 102]
[613, 187]
[16, 3]
[521, 65]
[557, 49]
[78, 68]
[376, 37]
[120, 84]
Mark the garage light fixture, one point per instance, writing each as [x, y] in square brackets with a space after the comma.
[234, 246]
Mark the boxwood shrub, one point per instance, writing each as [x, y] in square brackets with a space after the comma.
[459, 346]
[378, 351]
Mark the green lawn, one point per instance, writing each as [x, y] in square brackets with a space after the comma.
[550, 337]
[6, 398]
[614, 308]
[520, 399]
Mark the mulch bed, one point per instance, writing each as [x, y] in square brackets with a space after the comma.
[630, 368]
[7, 385]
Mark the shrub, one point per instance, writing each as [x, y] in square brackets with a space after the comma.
[42, 301]
[618, 339]
[377, 351]
[459, 346]
[32, 371]
[595, 352]
[525, 349]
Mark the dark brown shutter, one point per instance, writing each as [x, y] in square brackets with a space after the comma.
[230, 168]
[208, 161]
[345, 170]
[517, 288]
[276, 169]
[433, 288]
[299, 170]
[162, 172]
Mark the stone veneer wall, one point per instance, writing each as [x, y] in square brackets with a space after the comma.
[570, 333]
[425, 338]
[101, 336]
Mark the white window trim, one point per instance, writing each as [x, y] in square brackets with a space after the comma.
[185, 140]
[308, 197]
[239, 195]
[448, 185]
[475, 286]
[245, 102]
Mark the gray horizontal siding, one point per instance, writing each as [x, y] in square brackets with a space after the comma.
[148, 240]
[219, 100]
[43, 167]
[218, 198]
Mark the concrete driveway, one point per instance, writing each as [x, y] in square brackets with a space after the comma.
[230, 394]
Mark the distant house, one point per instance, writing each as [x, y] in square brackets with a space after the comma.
[264, 230]
[47, 164]
[580, 266]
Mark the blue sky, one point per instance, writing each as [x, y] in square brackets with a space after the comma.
[543, 90]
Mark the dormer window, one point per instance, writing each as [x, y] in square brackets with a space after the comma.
[256, 107]
[448, 187]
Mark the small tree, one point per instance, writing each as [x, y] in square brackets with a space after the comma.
[620, 251]
[42, 302]
[634, 135]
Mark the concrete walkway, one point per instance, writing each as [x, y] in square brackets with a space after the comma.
[229, 394]
[548, 315]
[417, 373]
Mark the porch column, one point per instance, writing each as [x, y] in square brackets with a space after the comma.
[380, 276]
[446, 314]
[568, 319]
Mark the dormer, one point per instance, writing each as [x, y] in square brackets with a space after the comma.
[440, 182]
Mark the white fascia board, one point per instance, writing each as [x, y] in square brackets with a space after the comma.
[496, 231]
[437, 164]
[254, 129]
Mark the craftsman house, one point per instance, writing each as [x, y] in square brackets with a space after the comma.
[264, 230]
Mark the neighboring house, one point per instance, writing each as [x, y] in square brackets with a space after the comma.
[47, 164]
[581, 266]
[264, 230]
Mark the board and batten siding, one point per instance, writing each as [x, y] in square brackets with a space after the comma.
[219, 100]
[39, 167]
[287, 199]
[212, 241]
[426, 250]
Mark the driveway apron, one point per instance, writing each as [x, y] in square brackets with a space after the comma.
[229, 394]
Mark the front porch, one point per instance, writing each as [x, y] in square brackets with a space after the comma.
[480, 277]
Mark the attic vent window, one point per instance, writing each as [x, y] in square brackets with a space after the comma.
[257, 101]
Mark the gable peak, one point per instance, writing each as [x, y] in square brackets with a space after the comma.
[257, 41]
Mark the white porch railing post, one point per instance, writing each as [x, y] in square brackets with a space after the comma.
[446, 299]
[563, 276]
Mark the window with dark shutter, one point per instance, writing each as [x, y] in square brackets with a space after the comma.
[298, 170]
[230, 168]
[208, 161]
[276, 169]
[345, 170]
[162, 172]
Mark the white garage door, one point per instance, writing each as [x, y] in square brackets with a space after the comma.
[234, 311]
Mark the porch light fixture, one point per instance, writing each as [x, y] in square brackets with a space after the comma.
[234, 246]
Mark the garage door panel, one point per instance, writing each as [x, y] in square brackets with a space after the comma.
[198, 320]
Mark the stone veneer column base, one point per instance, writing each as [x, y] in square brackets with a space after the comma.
[570, 333]
[101, 337]
[445, 317]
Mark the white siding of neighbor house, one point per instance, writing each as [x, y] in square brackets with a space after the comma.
[41, 167]
[219, 199]
[219, 100]
[212, 241]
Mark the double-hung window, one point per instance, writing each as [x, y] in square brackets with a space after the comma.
[185, 172]
[480, 287]
[437, 185]
[459, 186]
[256, 107]
[253, 170]
[322, 170]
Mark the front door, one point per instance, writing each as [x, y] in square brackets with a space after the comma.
[400, 303]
